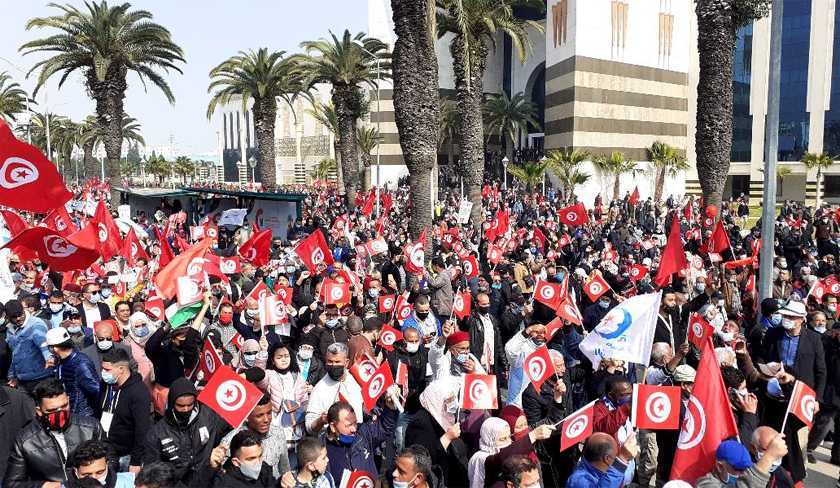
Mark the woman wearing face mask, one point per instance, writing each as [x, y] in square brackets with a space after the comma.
[250, 356]
[496, 445]
[140, 328]
[245, 468]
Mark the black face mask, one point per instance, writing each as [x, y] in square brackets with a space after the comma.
[335, 372]
[422, 315]
[182, 417]
[483, 310]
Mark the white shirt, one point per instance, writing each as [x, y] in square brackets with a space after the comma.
[91, 315]
[325, 393]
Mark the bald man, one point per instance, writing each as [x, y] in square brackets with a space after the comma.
[104, 340]
[762, 438]
[603, 462]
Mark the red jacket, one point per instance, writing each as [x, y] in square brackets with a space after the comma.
[604, 420]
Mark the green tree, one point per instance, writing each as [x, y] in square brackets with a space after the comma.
[565, 164]
[821, 162]
[183, 167]
[667, 160]
[718, 22]
[37, 129]
[324, 170]
[614, 164]
[506, 117]
[475, 25]
[13, 99]
[105, 42]
[530, 173]
[367, 138]
[158, 167]
[326, 116]
[92, 134]
[263, 77]
[345, 64]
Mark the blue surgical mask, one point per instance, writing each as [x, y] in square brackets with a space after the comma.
[106, 292]
[346, 439]
[74, 329]
[140, 331]
[462, 358]
[559, 276]
[604, 303]
[95, 297]
[373, 292]
[331, 323]
[731, 479]
[496, 286]
[108, 377]
[249, 359]
[700, 287]
[776, 319]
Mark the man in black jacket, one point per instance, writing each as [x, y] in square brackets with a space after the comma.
[411, 353]
[92, 309]
[16, 410]
[486, 339]
[186, 434]
[245, 468]
[172, 352]
[125, 407]
[40, 450]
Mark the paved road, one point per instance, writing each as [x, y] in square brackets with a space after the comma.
[822, 474]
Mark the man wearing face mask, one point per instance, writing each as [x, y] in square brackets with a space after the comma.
[332, 331]
[424, 320]
[223, 326]
[411, 353]
[40, 449]
[830, 310]
[593, 314]
[271, 436]
[486, 340]
[76, 372]
[53, 313]
[245, 468]
[733, 466]
[26, 337]
[611, 412]
[186, 434]
[92, 309]
[337, 383]
[90, 462]
[106, 338]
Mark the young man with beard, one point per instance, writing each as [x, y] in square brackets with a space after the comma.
[415, 358]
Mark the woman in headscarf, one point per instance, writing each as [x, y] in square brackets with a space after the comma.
[140, 328]
[496, 445]
[250, 356]
[436, 427]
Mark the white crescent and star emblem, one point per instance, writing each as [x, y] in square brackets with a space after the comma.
[231, 395]
[58, 247]
[576, 426]
[103, 232]
[17, 172]
[694, 426]
[658, 407]
[388, 338]
[536, 367]
[478, 392]
[376, 384]
[808, 404]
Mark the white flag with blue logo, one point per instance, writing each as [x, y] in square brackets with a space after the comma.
[625, 333]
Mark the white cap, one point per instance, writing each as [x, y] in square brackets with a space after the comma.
[684, 374]
[57, 336]
[793, 308]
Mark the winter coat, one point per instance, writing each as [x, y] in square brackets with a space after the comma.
[130, 405]
[16, 411]
[360, 455]
[81, 382]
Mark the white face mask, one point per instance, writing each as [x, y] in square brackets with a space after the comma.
[403, 484]
[305, 354]
[412, 347]
[788, 324]
[726, 336]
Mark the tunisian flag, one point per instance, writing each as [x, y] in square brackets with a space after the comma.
[673, 257]
[415, 254]
[538, 367]
[59, 221]
[77, 251]
[595, 287]
[656, 407]
[166, 278]
[107, 231]
[230, 396]
[479, 392]
[719, 240]
[574, 215]
[132, 249]
[577, 427]
[462, 304]
[802, 403]
[28, 180]
[314, 252]
[256, 250]
[708, 420]
[548, 293]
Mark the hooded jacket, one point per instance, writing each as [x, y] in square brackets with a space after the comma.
[186, 446]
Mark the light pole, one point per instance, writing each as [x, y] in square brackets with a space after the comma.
[543, 160]
[361, 46]
[252, 162]
[505, 162]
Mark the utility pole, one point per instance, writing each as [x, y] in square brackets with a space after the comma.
[768, 215]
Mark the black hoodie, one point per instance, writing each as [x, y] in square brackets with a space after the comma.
[130, 406]
[186, 446]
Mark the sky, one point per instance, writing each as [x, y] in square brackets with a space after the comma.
[209, 31]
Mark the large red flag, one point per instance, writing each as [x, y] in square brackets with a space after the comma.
[14, 222]
[708, 421]
[673, 256]
[59, 221]
[634, 197]
[166, 279]
[132, 249]
[549, 294]
[719, 240]
[77, 251]
[28, 181]
[107, 232]
[656, 407]
[230, 396]
[257, 249]
[314, 252]
[166, 254]
[574, 215]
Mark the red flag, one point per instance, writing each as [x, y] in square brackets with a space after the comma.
[547, 293]
[166, 254]
[688, 211]
[577, 427]
[415, 254]
[595, 287]
[273, 311]
[564, 241]
[479, 392]
[568, 311]
[402, 376]
[708, 420]
[719, 240]
[637, 272]
[229, 265]
[314, 252]
[259, 292]
[495, 253]
[388, 337]
[574, 215]
[656, 407]
[210, 360]
[165, 280]
[284, 293]
[358, 479]
[462, 304]
[211, 230]
[386, 303]
[257, 249]
[673, 256]
[803, 403]
[376, 246]
[230, 396]
[470, 265]
[538, 367]
[77, 251]
[155, 308]
[107, 231]
[132, 249]
[539, 237]
[336, 293]
[379, 381]
[59, 221]
[402, 309]
[238, 341]
[370, 201]
[28, 181]
[14, 222]
[552, 327]
[634, 197]
[699, 330]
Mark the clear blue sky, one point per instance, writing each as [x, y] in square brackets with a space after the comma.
[208, 30]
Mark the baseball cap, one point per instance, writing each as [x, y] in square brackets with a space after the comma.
[684, 374]
[57, 336]
[735, 454]
[793, 308]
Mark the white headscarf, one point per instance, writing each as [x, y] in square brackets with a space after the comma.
[137, 319]
[434, 397]
[491, 430]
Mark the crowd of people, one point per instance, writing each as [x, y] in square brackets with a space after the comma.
[101, 388]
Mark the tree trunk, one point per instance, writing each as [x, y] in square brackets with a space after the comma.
[341, 98]
[660, 184]
[416, 107]
[367, 177]
[819, 187]
[468, 99]
[109, 94]
[89, 162]
[265, 113]
[716, 45]
[616, 188]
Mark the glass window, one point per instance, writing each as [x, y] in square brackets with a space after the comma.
[741, 84]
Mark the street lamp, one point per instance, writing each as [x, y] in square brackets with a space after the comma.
[361, 46]
[505, 162]
[543, 160]
[252, 162]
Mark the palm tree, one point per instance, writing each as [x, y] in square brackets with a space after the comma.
[530, 173]
[13, 100]
[506, 117]
[326, 116]
[782, 172]
[449, 129]
[367, 138]
[158, 167]
[263, 77]
[64, 137]
[325, 169]
[717, 26]
[821, 162]
[105, 42]
[91, 135]
[346, 64]
[416, 108]
[183, 166]
[565, 164]
[615, 164]
[37, 129]
[475, 23]
[666, 159]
